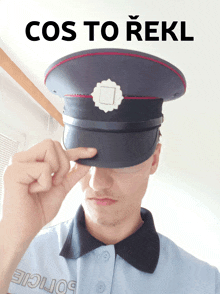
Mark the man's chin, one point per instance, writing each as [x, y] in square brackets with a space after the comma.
[99, 214]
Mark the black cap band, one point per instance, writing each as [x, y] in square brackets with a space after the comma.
[113, 126]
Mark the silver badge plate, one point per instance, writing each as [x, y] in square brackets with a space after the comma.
[107, 95]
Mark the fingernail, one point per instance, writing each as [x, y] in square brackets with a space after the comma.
[91, 149]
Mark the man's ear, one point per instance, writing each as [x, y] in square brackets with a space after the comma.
[155, 159]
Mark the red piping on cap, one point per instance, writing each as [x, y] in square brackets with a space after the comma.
[116, 53]
[89, 96]
[79, 95]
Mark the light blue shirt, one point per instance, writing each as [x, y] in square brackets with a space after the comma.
[67, 259]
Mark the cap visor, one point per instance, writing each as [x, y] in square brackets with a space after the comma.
[115, 150]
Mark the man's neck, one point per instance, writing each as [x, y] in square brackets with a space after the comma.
[112, 234]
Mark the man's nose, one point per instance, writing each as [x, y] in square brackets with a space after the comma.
[100, 178]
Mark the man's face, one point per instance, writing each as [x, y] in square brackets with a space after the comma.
[112, 196]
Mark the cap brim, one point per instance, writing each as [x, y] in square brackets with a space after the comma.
[115, 150]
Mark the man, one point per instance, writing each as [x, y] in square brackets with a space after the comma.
[112, 115]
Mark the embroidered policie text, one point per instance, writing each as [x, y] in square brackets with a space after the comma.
[37, 281]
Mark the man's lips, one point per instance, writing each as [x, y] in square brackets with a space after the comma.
[103, 201]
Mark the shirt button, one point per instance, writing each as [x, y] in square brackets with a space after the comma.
[105, 256]
[100, 287]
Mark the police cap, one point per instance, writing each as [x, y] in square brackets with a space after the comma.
[113, 102]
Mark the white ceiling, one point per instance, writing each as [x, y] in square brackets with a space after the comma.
[191, 131]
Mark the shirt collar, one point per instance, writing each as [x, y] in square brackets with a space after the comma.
[141, 249]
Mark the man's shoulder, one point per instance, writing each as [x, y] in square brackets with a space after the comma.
[42, 264]
[63, 226]
[52, 236]
[169, 249]
[179, 260]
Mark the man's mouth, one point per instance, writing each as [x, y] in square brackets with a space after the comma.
[104, 201]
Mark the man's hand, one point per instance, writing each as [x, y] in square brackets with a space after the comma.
[36, 184]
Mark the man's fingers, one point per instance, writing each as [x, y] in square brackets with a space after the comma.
[52, 153]
[43, 182]
[79, 170]
[64, 164]
[76, 174]
[80, 152]
[35, 175]
[46, 164]
[42, 152]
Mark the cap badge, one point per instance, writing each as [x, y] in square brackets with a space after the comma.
[107, 95]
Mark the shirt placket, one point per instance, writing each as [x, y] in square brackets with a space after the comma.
[98, 269]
